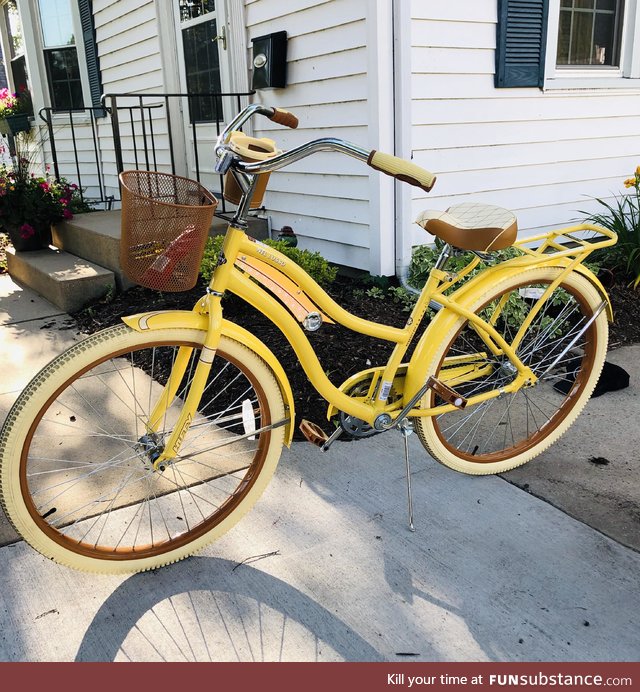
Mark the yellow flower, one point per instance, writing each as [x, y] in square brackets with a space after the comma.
[630, 182]
[12, 188]
[638, 170]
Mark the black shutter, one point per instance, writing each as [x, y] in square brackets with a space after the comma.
[91, 53]
[521, 42]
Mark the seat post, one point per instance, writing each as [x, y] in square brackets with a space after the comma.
[444, 257]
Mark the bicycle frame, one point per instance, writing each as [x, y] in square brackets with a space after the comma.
[231, 275]
[242, 258]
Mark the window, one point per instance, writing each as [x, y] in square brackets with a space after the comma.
[199, 28]
[589, 32]
[568, 44]
[60, 55]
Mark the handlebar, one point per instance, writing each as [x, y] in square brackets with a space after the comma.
[393, 166]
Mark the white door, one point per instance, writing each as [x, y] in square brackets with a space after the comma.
[204, 69]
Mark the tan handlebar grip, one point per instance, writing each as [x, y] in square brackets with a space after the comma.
[285, 118]
[402, 170]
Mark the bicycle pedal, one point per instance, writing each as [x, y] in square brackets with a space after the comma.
[313, 433]
[446, 393]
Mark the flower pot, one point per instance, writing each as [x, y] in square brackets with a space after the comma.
[287, 236]
[26, 237]
[18, 123]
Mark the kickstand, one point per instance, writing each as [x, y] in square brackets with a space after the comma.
[406, 430]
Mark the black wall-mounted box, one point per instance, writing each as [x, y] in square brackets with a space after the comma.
[270, 61]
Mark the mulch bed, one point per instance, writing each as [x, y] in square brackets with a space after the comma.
[341, 352]
[626, 309]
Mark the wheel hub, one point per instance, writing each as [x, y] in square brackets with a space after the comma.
[507, 370]
[149, 448]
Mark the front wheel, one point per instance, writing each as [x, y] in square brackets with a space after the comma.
[505, 432]
[77, 478]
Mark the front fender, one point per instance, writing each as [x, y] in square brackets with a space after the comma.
[186, 319]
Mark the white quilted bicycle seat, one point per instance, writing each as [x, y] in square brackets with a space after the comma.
[472, 226]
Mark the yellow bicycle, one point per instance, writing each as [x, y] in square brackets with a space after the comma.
[144, 442]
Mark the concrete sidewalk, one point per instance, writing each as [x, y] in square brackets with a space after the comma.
[324, 568]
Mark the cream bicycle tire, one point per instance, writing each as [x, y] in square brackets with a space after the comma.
[66, 384]
[453, 439]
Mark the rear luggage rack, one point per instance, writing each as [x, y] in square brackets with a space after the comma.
[573, 242]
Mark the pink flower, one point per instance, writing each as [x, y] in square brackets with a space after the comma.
[67, 214]
[27, 231]
[45, 186]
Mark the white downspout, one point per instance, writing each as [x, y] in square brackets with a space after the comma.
[381, 134]
[403, 129]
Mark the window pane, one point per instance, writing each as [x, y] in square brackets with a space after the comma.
[190, 9]
[603, 39]
[202, 65]
[65, 86]
[57, 23]
[581, 40]
[566, 3]
[588, 33]
[19, 72]
[564, 34]
[14, 29]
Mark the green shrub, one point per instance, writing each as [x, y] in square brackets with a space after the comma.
[210, 257]
[312, 262]
[622, 217]
[424, 258]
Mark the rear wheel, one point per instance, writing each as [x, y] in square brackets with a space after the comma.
[78, 480]
[505, 432]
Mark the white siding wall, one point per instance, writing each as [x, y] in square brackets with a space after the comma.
[541, 154]
[323, 198]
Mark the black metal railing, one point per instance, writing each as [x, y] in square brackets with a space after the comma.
[135, 130]
[62, 126]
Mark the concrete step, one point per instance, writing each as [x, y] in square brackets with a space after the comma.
[95, 236]
[65, 280]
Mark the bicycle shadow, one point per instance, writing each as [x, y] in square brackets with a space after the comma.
[212, 609]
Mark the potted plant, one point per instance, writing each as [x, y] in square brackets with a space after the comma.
[29, 204]
[15, 111]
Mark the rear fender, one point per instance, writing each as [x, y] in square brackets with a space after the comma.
[186, 319]
[466, 295]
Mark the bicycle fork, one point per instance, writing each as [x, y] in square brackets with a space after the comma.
[210, 304]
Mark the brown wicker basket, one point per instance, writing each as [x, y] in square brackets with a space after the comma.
[165, 224]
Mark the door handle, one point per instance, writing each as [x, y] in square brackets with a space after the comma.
[222, 37]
